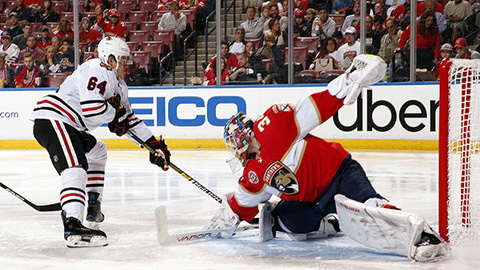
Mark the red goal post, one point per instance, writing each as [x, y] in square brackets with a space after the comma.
[459, 149]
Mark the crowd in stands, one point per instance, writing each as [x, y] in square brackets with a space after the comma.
[37, 36]
[329, 33]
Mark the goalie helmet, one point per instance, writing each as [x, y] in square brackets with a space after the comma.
[238, 135]
[112, 46]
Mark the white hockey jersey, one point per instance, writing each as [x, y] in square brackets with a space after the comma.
[80, 101]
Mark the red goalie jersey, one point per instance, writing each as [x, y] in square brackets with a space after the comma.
[292, 164]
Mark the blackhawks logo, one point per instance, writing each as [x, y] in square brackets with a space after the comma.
[280, 177]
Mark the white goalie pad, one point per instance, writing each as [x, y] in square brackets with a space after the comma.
[392, 230]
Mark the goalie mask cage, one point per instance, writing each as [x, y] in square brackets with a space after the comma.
[459, 150]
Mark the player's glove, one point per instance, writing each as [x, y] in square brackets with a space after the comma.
[119, 125]
[162, 156]
[364, 71]
[224, 220]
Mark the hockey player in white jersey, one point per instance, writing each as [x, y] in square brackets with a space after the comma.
[93, 95]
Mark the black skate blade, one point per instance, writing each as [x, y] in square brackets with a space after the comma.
[78, 241]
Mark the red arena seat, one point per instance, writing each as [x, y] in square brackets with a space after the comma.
[155, 47]
[55, 79]
[60, 6]
[138, 16]
[138, 35]
[299, 55]
[167, 36]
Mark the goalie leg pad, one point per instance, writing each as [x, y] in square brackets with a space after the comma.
[266, 222]
[392, 230]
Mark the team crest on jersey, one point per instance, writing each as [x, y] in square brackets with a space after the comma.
[252, 177]
[280, 177]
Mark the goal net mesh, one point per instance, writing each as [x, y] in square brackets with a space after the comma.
[464, 151]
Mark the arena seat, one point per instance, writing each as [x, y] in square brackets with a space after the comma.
[55, 79]
[299, 55]
[167, 36]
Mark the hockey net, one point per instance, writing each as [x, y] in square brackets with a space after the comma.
[459, 151]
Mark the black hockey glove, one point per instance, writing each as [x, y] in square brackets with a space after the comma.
[119, 125]
[162, 158]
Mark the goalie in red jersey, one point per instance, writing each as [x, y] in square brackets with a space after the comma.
[280, 157]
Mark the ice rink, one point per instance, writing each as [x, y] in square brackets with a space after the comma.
[134, 188]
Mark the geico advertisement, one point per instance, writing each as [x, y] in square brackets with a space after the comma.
[408, 111]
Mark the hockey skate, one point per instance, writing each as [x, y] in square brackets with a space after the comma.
[94, 212]
[78, 235]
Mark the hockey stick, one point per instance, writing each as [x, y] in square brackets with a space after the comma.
[40, 208]
[165, 238]
[178, 170]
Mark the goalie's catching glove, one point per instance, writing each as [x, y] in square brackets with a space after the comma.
[161, 158]
[364, 71]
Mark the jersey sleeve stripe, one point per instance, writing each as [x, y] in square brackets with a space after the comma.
[96, 114]
[70, 108]
[94, 108]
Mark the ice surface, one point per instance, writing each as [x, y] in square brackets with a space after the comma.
[134, 188]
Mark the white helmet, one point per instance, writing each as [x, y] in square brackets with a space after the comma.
[112, 46]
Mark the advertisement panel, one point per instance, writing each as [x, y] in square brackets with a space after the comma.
[397, 112]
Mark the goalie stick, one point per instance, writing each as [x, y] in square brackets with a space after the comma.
[178, 170]
[40, 208]
[164, 238]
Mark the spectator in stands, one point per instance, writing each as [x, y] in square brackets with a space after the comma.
[446, 52]
[31, 48]
[441, 21]
[379, 10]
[284, 13]
[341, 4]
[21, 39]
[275, 53]
[251, 52]
[455, 12]
[87, 33]
[23, 13]
[94, 52]
[461, 47]
[401, 10]
[33, 5]
[310, 15]
[9, 48]
[56, 42]
[65, 56]
[253, 26]
[90, 5]
[177, 21]
[47, 63]
[209, 78]
[203, 8]
[231, 58]
[350, 19]
[373, 37]
[339, 40]
[378, 24]
[281, 37]
[115, 27]
[163, 4]
[301, 28]
[15, 28]
[326, 51]
[238, 45]
[99, 9]
[428, 40]
[265, 17]
[345, 54]
[63, 29]
[246, 72]
[46, 13]
[29, 75]
[44, 39]
[274, 13]
[389, 42]
[272, 3]
[7, 74]
[301, 4]
[323, 26]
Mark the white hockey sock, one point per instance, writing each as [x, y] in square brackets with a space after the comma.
[72, 196]
[95, 179]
